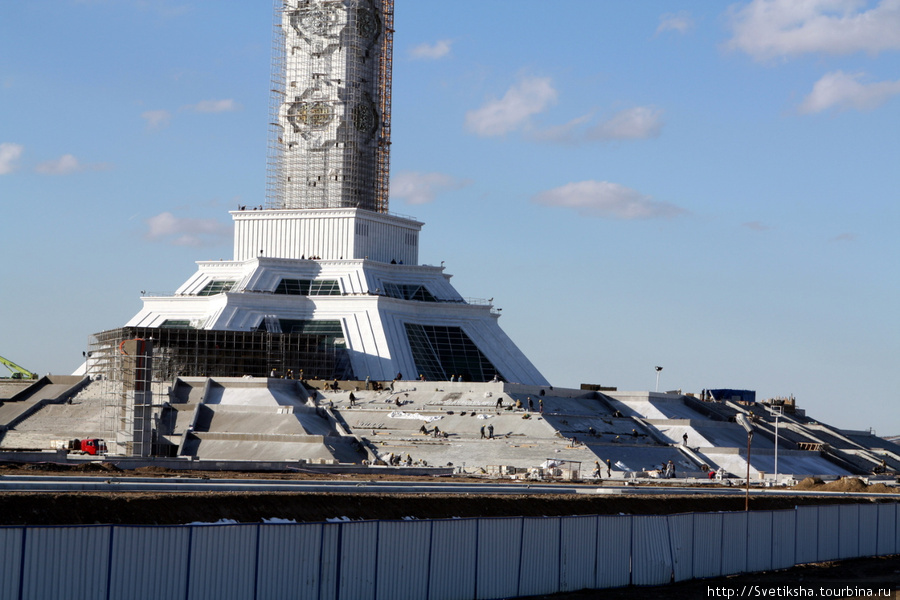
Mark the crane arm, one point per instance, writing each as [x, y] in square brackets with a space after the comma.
[17, 371]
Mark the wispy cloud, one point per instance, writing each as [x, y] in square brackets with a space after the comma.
[528, 97]
[182, 231]
[439, 49]
[680, 22]
[67, 164]
[635, 123]
[9, 154]
[607, 200]
[421, 188]
[767, 29]
[213, 106]
[845, 91]
[157, 119]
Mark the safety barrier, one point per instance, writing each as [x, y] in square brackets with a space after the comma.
[428, 559]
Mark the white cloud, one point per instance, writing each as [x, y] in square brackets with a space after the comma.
[213, 106]
[680, 22]
[637, 123]
[66, 165]
[186, 231]
[439, 49]
[157, 119]
[767, 29]
[421, 188]
[607, 200]
[528, 97]
[844, 91]
[9, 154]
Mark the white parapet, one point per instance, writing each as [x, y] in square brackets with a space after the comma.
[331, 234]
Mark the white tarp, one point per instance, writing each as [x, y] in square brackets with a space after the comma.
[399, 414]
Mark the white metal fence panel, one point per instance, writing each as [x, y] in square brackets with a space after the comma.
[403, 555]
[707, 545]
[807, 534]
[868, 530]
[66, 563]
[357, 556]
[454, 552]
[759, 541]
[330, 556]
[681, 539]
[734, 543]
[614, 550]
[829, 533]
[10, 561]
[149, 562]
[437, 560]
[651, 551]
[223, 562]
[577, 553]
[539, 565]
[784, 539]
[848, 532]
[499, 555]
[887, 529]
[289, 561]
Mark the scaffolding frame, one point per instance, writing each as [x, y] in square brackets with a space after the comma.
[138, 365]
[184, 352]
[385, 83]
[329, 126]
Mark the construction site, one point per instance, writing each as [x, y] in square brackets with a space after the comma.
[188, 399]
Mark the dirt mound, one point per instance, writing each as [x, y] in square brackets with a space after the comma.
[153, 471]
[846, 484]
[880, 488]
[810, 483]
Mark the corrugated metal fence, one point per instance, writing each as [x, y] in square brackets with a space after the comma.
[435, 560]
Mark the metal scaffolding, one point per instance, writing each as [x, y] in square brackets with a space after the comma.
[131, 398]
[329, 131]
[137, 365]
[312, 353]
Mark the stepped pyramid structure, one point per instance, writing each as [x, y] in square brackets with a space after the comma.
[323, 275]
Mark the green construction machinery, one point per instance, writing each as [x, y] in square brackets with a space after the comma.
[17, 371]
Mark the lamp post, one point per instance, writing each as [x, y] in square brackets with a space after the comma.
[748, 427]
[658, 369]
[777, 416]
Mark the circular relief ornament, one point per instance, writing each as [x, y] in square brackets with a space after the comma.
[317, 21]
[367, 24]
[311, 115]
[365, 117]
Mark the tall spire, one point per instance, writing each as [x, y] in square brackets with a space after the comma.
[330, 108]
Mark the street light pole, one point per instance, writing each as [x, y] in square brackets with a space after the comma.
[776, 449]
[748, 427]
[658, 369]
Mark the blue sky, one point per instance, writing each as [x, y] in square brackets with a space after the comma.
[709, 187]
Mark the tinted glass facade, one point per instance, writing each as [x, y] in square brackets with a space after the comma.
[441, 351]
[308, 287]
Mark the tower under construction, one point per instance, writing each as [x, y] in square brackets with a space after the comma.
[325, 281]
